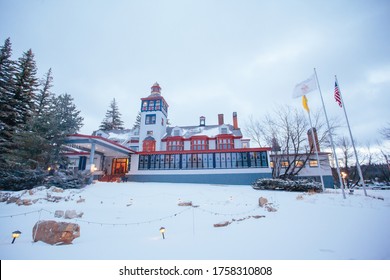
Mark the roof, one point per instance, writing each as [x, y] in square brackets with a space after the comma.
[210, 131]
[121, 136]
[103, 145]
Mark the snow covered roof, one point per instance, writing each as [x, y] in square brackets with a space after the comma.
[210, 131]
[121, 136]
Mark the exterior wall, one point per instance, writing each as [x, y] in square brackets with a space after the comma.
[224, 179]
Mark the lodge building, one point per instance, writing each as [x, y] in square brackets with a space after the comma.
[156, 152]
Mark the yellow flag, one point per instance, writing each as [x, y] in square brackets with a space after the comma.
[304, 103]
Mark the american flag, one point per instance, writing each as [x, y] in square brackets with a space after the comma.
[337, 96]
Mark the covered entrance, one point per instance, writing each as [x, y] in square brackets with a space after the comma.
[108, 160]
[120, 166]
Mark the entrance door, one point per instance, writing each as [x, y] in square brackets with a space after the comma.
[119, 166]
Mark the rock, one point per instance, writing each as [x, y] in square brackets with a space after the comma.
[71, 214]
[55, 233]
[258, 216]
[12, 199]
[222, 224]
[262, 201]
[58, 214]
[56, 190]
[81, 200]
[270, 208]
[25, 202]
[188, 203]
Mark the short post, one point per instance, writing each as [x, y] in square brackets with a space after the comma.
[162, 230]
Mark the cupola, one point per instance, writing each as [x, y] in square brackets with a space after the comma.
[156, 89]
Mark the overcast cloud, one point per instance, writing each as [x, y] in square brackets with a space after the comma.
[209, 57]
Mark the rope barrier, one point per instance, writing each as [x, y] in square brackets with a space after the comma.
[139, 222]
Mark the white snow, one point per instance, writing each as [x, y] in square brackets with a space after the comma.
[121, 221]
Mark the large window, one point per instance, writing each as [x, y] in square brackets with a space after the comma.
[204, 160]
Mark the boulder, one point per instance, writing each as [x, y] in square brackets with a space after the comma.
[55, 233]
[185, 203]
[71, 214]
[222, 224]
[262, 201]
[58, 214]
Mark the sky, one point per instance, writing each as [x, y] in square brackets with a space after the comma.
[210, 57]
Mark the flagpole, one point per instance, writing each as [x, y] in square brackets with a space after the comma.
[331, 137]
[314, 144]
[353, 143]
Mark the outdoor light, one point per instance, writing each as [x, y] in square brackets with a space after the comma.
[162, 230]
[344, 175]
[15, 235]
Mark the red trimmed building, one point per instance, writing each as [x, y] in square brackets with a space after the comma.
[216, 154]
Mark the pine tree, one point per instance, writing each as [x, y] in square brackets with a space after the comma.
[66, 120]
[112, 119]
[7, 112]
[26, 86]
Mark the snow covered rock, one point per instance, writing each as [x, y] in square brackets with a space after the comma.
[55, 233]
[59, 214]
[71, 214]
[262, 201]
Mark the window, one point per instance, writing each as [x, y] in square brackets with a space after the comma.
[313, 163]
[225, 143]
[151, 105]
[150, 119]
[299, 163]
[272, 164]
[144, 106]
[285, 163]
[176, 132]
[150, 133]
[223, 130]
[175, 145]
[158, 104]
[199, 144]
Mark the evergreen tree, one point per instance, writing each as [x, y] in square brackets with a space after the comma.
[34, 148]
[66, 120]
[112, 119]
[7, 113]
[26, 86]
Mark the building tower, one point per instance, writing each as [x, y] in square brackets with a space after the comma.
[154, 113]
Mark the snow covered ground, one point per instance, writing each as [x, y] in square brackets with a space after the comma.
[121, 221]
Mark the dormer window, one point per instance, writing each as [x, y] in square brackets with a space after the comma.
[224, 130]
[176, 132]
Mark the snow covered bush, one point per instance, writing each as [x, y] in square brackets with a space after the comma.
[287, 185]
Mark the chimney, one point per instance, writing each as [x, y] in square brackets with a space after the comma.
[235, 121]
[202, 121]
[310, 138]
[220, 119]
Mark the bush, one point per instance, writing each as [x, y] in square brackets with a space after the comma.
[287, 185]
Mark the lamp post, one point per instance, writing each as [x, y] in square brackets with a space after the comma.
[15, 235]
[344, 176]
[162, 230]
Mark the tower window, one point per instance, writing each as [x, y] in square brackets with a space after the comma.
[150, 119]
